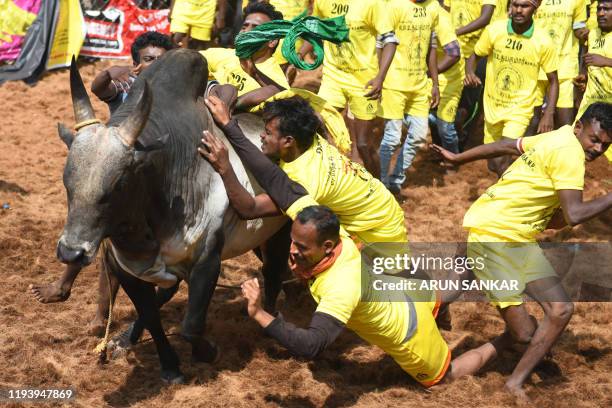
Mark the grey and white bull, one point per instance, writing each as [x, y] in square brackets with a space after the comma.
[139, 184]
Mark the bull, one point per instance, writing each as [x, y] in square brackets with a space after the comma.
[139, 184]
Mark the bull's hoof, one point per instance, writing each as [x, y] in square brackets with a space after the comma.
[205, 351]
[121, 344]
[96, 328]
[170, 377]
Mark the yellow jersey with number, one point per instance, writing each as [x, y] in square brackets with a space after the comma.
[599, 82]
[521, 203]
[414, 24]
[558, 18]
[290, 8]
[464, 12]
[360, 200]
[354, 63]
[224, 66]
[513, 66]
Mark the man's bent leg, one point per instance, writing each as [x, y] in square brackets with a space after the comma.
[448, 135]
[363, 130]
[557, 315]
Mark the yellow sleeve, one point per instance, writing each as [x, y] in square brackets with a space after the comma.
[484, 46]
[211, 58]
[566, 169]
[377, 19]
[299, 205]
[444, 28]
[580, 12]
[550, 59]
[526, 143]
[339, 298]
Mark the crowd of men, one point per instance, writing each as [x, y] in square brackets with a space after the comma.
[413, 64]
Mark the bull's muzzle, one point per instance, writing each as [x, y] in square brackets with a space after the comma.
[69, 255]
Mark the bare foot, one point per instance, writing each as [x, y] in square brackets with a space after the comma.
[50, 293]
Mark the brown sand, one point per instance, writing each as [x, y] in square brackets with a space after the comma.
[46, 345]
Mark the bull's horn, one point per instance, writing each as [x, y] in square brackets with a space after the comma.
[130, 128]
[83, 111]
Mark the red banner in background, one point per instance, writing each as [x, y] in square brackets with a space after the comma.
[111, 32]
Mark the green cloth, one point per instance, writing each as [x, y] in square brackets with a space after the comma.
[309, 28]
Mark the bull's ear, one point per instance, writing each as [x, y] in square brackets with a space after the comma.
[65, 134]
[131, 127]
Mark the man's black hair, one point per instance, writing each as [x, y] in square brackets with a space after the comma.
[264, 8]
[150, 38]
[601, 112]
[324, 220]
[296, 118]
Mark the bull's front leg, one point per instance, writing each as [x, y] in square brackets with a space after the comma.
[202, 282]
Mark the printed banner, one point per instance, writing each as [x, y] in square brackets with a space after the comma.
[111, 32]
[16, 16]
[68, 36]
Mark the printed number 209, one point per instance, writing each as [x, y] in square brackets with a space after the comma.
[339, 8]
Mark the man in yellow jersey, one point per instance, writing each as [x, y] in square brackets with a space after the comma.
[196, 19]
[351, 73]
[366, 208]
[598, 61]
[261, 69]
[504, 221]
[451, 72]
[406, 94]
[565, 23]
[331, 265]
[516, 49]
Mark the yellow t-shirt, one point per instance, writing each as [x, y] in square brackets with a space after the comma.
[224, 66]
[464, 12]
[414, 24]
[558, 18]
[513, 66]
[290, 8]
[354, 63]
[599, 83]
[338, 292]
[197, 13]
[360, 201]
[521, 203]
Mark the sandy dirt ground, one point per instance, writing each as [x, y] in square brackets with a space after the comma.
[47, 346]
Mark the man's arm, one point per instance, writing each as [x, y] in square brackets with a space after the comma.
[432, 67]
[486, 12]
[384, 62]
[547, 122]
[576, 211]
[283, 191]
[471, 79]
[255, 97]
[247, 206]
[502, 147]
[308, 343]
[110, 82]
[597, 60]
[452, 55]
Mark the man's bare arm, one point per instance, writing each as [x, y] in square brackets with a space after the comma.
[502, 147]
[486, 12]
[255, 97]
[576, 211]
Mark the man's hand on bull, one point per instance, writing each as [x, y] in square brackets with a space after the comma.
[218, 109]
[120, 77]
[215, 152]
